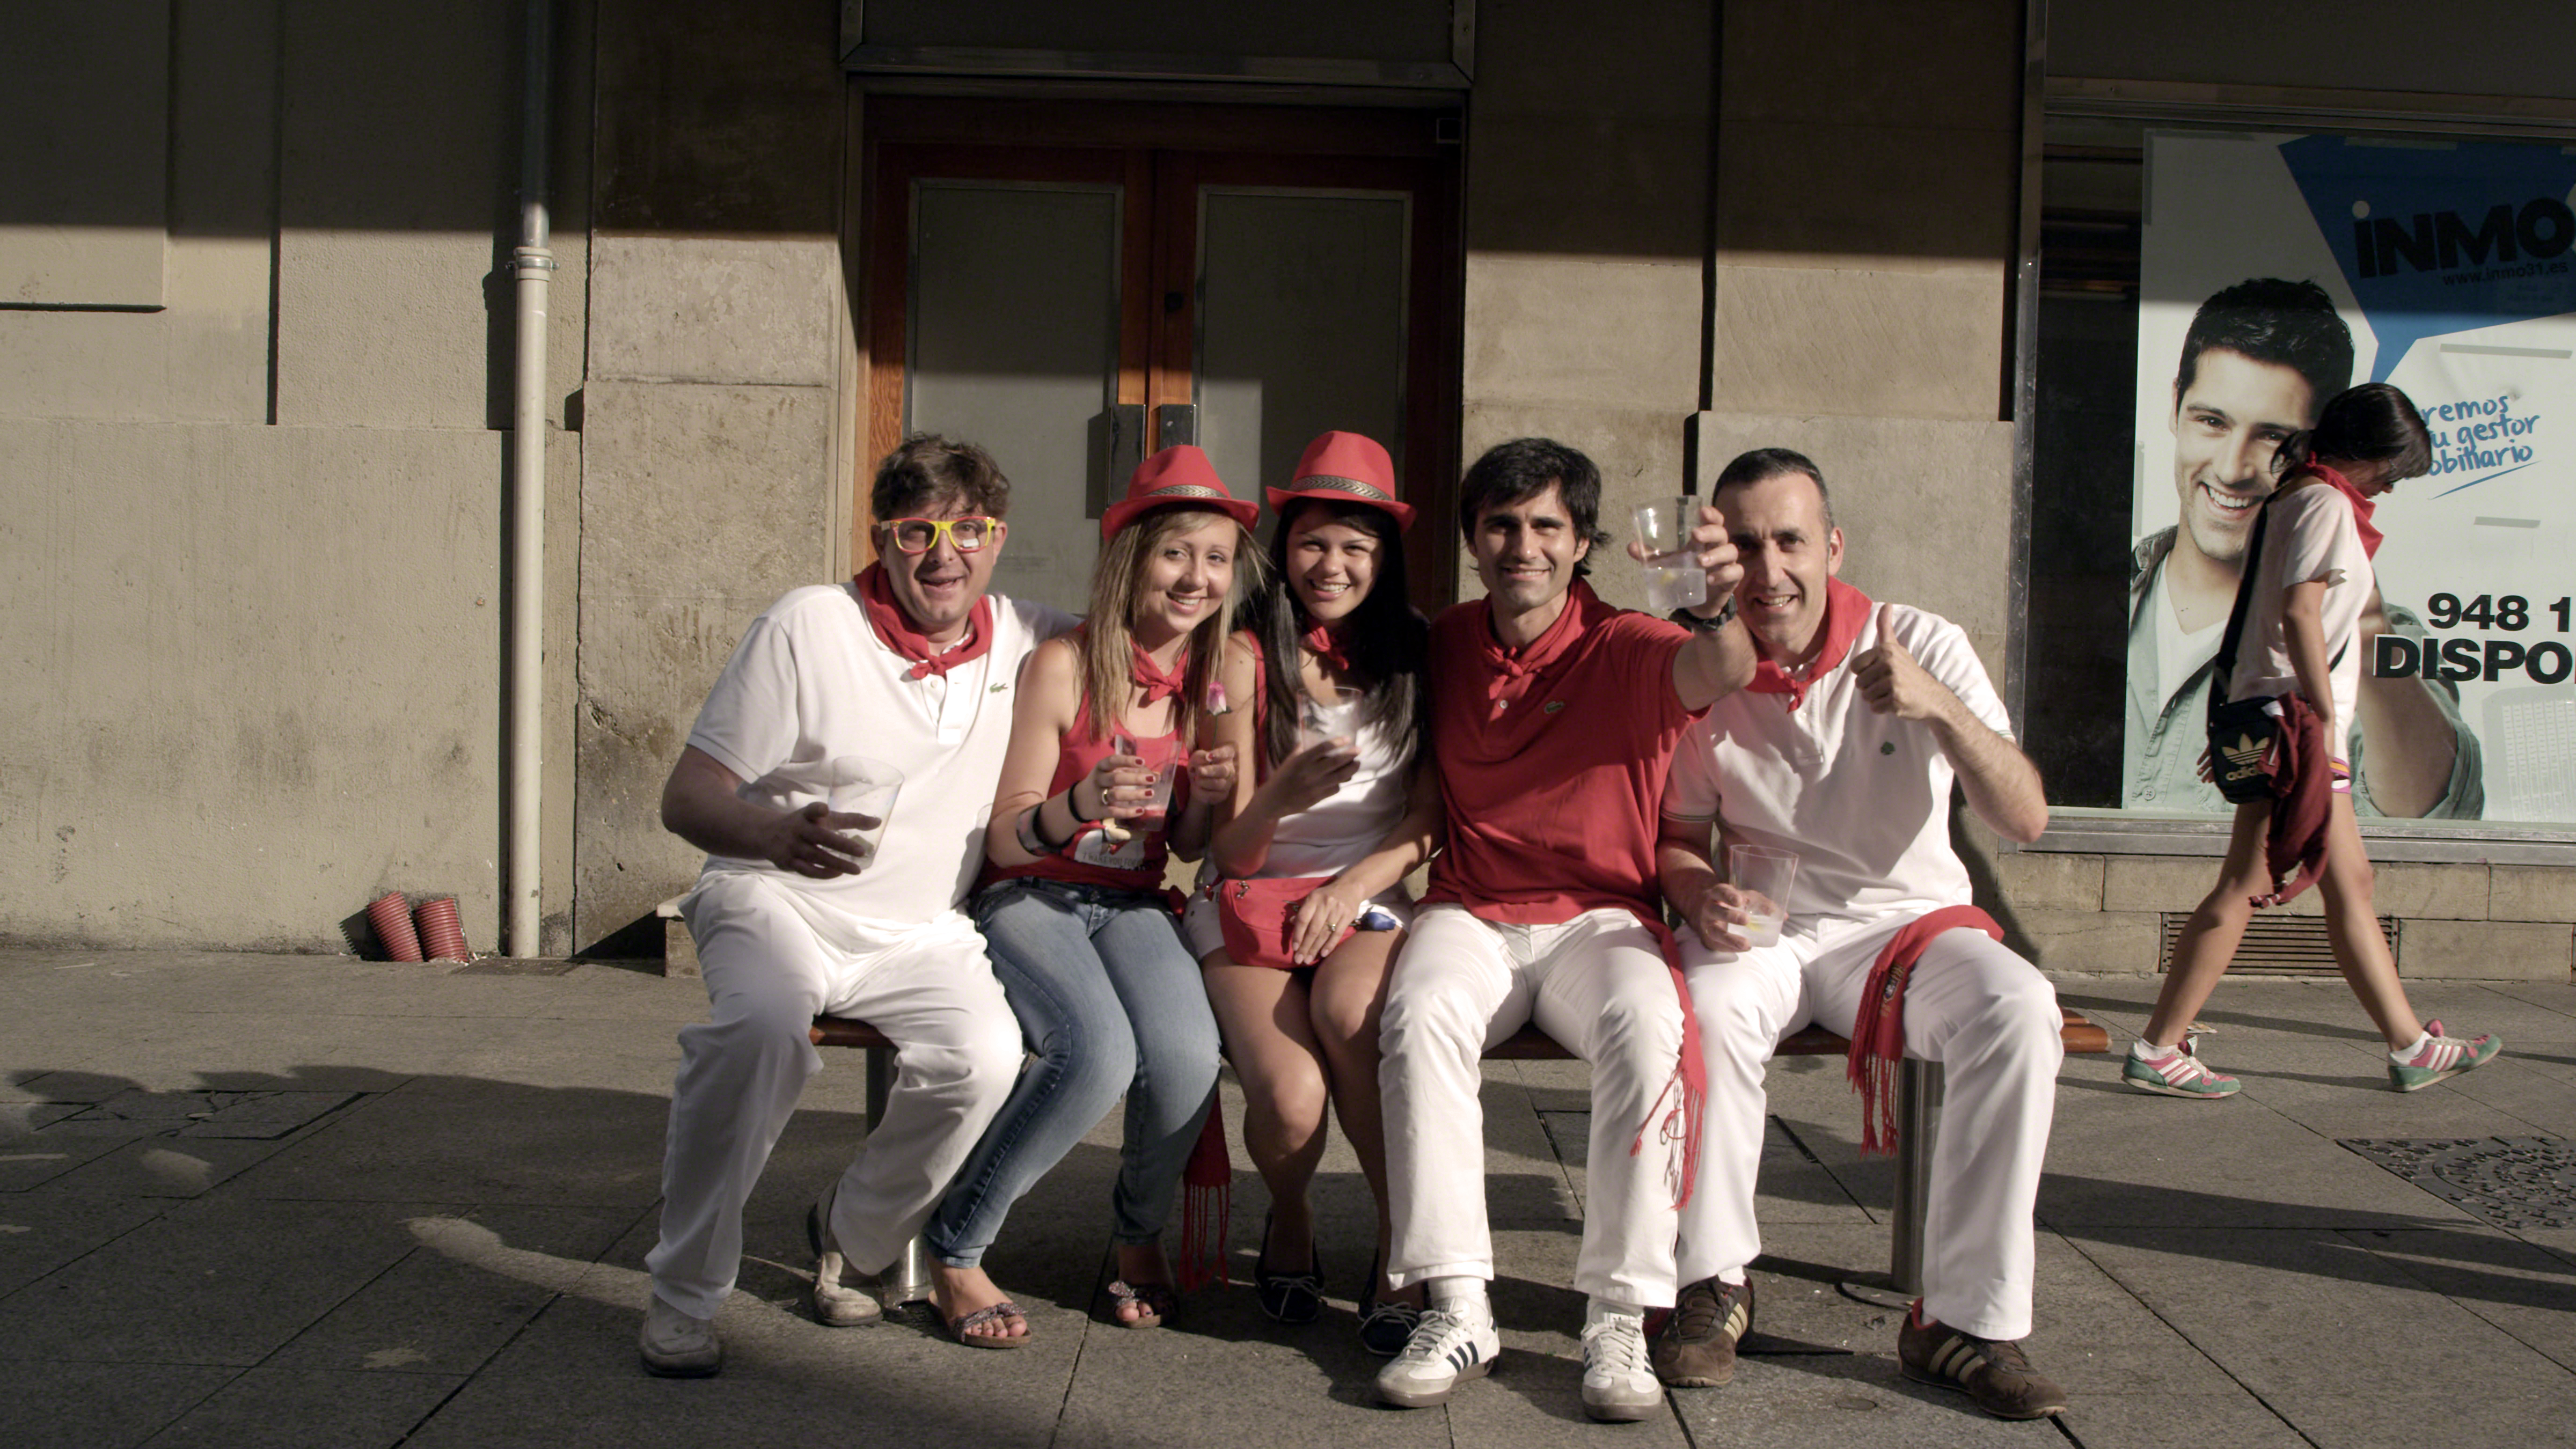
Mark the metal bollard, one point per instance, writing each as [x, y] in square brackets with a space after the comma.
[907, 1279]
[1918, 1109]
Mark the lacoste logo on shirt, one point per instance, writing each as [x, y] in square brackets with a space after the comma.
[998, 688]
[1552, 706]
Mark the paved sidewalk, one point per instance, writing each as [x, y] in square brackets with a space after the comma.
[252, 1200]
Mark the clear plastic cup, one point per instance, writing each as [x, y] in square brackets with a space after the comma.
[858, 785]
[1767, 873]
[1673, 579]
[1332, 713]
[1161, 758]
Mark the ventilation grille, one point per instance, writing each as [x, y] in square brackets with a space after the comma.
[2275, 945]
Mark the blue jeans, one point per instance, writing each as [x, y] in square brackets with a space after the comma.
[1111, 1002]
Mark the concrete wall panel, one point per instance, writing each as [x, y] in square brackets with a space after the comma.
[1926, 65]
[1863, 343]
[701, 505]
[2486, 951]
[1548, 330]
[2531, 893]
[715, 309]
[2109, 943]
[1871, 198]
[259, 680]
[204, 355]
[400, 152]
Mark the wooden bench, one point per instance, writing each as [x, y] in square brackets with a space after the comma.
[1918, 1098]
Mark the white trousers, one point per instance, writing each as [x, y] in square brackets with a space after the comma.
[773, 962]
[1598, 984]
[1985, 1014]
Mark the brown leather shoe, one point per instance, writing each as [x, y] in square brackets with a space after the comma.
[1696, 1348]
[1996, 1374]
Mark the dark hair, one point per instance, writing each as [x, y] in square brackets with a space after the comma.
[2372, 423]
[1522, 469]
[926, 468]
[1766, 463]
[2275, 321]
[1387, 639]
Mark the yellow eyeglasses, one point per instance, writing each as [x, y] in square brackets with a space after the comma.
[921, 535]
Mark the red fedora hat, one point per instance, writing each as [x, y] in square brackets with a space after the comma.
[1179, 476]
[1348, 468]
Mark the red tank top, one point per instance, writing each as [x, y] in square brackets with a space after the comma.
[1136, 863]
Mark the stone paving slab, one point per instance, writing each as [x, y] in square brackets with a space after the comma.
[285, 1408]
[2312, 1323]
[54, 1404]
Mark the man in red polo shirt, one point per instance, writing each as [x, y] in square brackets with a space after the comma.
[1554, 718]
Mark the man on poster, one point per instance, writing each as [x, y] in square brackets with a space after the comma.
[1842, 752]
[2261, 357]
[911, 663]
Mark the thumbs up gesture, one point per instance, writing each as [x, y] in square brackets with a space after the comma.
[1890, 679]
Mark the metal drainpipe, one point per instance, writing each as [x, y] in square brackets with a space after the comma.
[534, 265]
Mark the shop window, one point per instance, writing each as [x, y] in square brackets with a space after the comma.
[2202, 292]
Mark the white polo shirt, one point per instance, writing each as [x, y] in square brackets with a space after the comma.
[811, 681]
[1862, 797]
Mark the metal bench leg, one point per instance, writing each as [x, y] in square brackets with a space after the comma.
[1918, 1112]
[907, 1279]
[1918, 1107]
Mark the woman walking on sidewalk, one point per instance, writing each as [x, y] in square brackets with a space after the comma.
[2302, 604]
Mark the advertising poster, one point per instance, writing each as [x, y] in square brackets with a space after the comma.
[2277, 270]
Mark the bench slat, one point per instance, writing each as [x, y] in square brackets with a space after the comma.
[2081, 1037]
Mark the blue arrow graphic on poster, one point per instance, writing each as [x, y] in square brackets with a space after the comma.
[2436, 240]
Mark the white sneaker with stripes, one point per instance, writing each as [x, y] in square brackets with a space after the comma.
[1446, 1349]
[2174, 1072]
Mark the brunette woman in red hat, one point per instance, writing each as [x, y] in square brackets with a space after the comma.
[1304, 904]
[1099, 785]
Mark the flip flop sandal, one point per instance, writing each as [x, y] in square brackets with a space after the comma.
[1156, 1300]
[962, 1327]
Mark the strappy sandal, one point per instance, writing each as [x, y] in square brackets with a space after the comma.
[962, 1327]
[1154, 1303]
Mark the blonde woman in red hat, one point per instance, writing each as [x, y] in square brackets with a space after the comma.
[1304, 905]
[1100, 783]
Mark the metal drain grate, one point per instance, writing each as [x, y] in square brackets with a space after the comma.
[2512, 1182]
[2274, 945]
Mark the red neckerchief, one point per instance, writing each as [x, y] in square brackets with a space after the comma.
[1157, 682]
[897, 632]
[1846, 610]
[1326, 644]
[2361, 506]
[1687, 1087]
[1878, 1036]
[1515, 670]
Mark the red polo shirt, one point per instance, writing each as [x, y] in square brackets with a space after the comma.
[1552, 760]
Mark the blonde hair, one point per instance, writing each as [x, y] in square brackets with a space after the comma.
[1107, 642]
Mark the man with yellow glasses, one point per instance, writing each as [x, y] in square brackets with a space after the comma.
[811, 904]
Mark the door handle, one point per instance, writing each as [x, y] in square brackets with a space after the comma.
[1117, 446]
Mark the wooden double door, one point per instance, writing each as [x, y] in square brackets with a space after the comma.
[1076, 287]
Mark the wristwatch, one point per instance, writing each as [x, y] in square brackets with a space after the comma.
[1725, 614]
